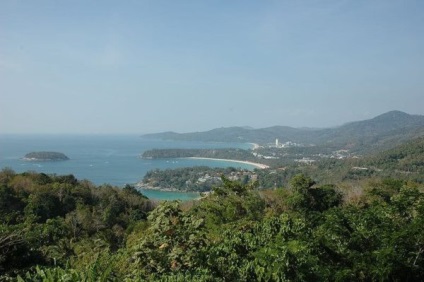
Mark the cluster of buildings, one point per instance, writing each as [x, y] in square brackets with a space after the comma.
[286, 144]
[271, 152]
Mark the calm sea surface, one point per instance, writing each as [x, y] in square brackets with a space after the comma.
[105, 158]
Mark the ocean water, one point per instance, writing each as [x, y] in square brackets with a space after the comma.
[105, 159]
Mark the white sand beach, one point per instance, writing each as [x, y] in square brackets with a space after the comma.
[258, 165]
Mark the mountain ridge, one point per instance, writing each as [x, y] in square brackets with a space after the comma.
[381, 132]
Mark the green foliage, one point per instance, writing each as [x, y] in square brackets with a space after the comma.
[10, 205]
[14, 251]
[46, 156]
[42, 206]
[199, 179]
[380, 242]
[275, 249]
[305, 198]
[47, 219]
[236, 233]
[229, 202]
[173, 241]
[229, 153]
[93, 273]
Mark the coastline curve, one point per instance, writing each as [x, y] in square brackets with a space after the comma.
[257, 165]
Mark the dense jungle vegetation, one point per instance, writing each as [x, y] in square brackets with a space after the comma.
[230, 153]
[46, 156]
[191, 179]
[403, 162]
[57, 228]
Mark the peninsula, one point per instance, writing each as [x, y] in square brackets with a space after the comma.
[229, 155]
[257, 165]
[45, 156]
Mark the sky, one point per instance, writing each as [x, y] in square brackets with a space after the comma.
[95, 67]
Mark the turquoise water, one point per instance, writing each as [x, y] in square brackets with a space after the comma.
[164, 195]
[111, 159]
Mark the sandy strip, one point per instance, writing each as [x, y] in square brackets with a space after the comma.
[258, 165]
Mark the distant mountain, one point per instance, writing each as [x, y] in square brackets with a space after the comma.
[382, 132]
[390, 121]
[223, 134]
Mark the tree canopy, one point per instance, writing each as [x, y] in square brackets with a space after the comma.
[57, 228]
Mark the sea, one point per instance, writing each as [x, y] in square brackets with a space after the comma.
[106, 159]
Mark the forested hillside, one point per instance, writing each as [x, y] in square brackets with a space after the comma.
[55, 220]
[404, 161]
[230, 153]
[192, 179]
[56, 228]
[379, 133]
[406, 158]
[45, 156]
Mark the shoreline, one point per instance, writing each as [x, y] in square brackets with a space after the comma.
[42, 160]
[140, 185]
[257, 165]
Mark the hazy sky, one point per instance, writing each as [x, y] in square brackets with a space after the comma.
[151, 66]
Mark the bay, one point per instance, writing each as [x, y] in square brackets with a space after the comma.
[106, 159]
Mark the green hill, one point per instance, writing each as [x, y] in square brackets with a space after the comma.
[408, 157]
[404, 161]
[382, 132]
[45, 156]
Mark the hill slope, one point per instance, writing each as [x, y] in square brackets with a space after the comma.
[381, 132]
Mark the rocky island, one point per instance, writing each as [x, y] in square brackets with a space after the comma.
[45, 156]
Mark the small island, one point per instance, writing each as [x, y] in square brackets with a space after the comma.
[45, 156]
